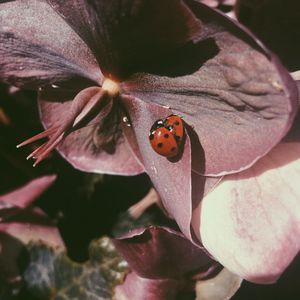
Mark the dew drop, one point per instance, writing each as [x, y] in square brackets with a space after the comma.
[126, 121]
[54, 86]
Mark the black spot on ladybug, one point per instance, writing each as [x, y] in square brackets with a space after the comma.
[166, 136]
[159, 145]
[151, 136]
[173, 149]
[176, 123]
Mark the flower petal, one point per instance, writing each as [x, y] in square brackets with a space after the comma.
[135, 287]
[122, 34]
[222, 286]
[171, 179]
[37, 47]
[24, 196]
[234, 94]
[84, 148]
[146, 250]
[251, 222]
[33, 224]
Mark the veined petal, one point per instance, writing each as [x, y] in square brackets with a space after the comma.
[124, 34]
[231, 90]
[251, 222]
[37, 47]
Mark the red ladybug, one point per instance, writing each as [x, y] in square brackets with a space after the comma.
[166, 136]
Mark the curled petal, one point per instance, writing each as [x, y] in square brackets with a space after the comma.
[228, 88]
[146, 250]
[251, 222]
[37, 47]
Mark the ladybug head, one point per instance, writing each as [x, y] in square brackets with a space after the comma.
[159, 123]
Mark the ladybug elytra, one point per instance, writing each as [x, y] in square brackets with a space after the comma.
[166, 136]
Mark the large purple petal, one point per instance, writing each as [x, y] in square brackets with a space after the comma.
[236, 96]
[171, 179]
[85, 148]
[37, 47]
[122, 34]
[153, 253]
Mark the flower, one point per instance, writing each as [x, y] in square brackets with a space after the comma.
[106, 71]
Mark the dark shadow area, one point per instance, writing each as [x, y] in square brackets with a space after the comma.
[198, 154]
[182, 61]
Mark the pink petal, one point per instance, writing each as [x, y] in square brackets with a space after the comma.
[24, 196]
[251, 221]
[33, 225]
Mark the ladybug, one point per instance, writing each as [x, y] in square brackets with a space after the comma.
[175, 124]
[166, 136]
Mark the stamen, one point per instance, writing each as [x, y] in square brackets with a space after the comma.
[39, 136]
[85, 106]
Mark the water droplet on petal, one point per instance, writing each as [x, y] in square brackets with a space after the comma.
[126, 121]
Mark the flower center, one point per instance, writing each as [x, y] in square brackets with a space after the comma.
[111, 87]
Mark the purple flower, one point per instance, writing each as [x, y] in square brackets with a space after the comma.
[106, 71]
